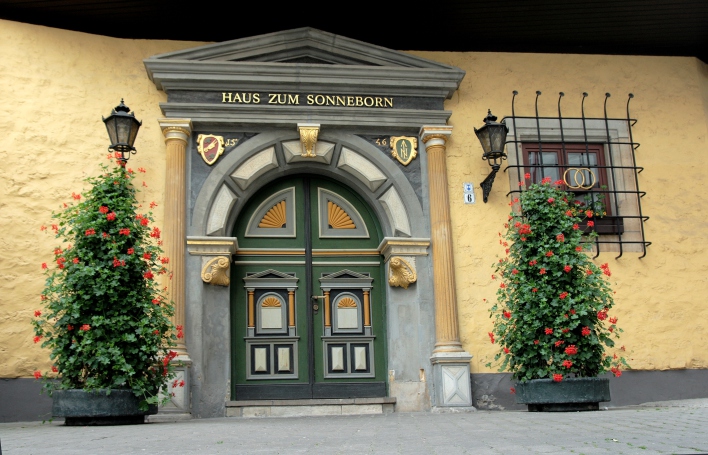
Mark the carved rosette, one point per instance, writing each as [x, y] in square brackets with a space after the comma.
[401, 272]
[216, 271]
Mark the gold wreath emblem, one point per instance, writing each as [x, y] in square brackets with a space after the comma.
[579, 178]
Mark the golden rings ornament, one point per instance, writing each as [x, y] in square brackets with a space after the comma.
[579, 179]
[210, 147]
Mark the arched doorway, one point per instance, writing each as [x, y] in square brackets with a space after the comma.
[307, 296]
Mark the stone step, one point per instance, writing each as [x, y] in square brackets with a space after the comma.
[314, 407]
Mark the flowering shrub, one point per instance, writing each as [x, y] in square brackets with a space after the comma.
[551, 319]
[105, 319]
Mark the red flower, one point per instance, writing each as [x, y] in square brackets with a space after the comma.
[155, 233]
[572, 311]
[559, 183]
[571, 350]
[85, 327]
[147, 256]
[37, 338]
[533, 262]
[43, 228]
[535, 341]
[116, 262]
[567, 268]
[588, 271]
[494, 277]
[141, 169]
[557, 377]
[534, 290]
[585, 332]
[124, 231]
[542, 271]
[616, 371]
[153, 205]
[565, 330]
[514, 271]
[75, 260]
[145, 184]
[55, 369]
[103, 209]
[144, 222]
[513, 390]
[545, 180]
[568, 213]
[55, 227]
[507, 314]
[91, 231]
[131, 250]
[37, 374]
[156, 301]
[148, 275]
[563, 295]
[44, 265]
[612, 320]
[551, 200]
[591, 223]
[502, 285]
[156, 332]
[576, 227]
[111, 216]
[181, 383]
[548, 331]
[69, 327]
[491, 337]
[567, 363]
[165, 260]
[602, 315]
[527, 176]
[76, 196]
[37, 313]
[559, 342]
[506, 350]
[549, 254]
[588, 213]
[607, 272]
[578, 248]
[560, 237]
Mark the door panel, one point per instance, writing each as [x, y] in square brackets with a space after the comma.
[299, 238]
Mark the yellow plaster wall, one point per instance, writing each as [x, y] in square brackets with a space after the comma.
[55, 86]
[660, 298]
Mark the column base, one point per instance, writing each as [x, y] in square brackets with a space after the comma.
[179, 394]
[451, 375]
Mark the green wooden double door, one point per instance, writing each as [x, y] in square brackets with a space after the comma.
[307, 296]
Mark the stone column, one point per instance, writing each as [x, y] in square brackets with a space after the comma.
[176, 132]
[451, 366]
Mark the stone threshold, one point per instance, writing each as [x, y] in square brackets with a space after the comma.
[313, 407]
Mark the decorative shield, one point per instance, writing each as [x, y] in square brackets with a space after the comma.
[403, 148]
[210, 147]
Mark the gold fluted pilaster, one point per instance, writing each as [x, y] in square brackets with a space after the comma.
[447, 338]
[176, 132]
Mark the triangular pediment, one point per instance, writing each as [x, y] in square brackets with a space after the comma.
[306, 46]
[270, 273]
[348, 274]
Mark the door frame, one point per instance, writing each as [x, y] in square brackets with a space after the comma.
[401, 211]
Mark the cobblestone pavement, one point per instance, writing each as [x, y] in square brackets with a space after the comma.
[659, 428]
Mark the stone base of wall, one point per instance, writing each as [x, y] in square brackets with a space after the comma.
[491, 391]
[22, 400]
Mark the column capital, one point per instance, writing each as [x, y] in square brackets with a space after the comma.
[176, 128]
[435, 134]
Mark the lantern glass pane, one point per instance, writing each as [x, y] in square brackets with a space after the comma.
[111, 128]
[133, 131]
[483, 135]
[123, 125]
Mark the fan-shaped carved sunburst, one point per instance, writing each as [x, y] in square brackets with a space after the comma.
[347, 302]
[275, 217]
[271, 302]
[337, 218]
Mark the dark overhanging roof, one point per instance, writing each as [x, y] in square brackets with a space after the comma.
[631, 27]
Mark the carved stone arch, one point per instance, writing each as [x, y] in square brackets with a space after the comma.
[395, 193]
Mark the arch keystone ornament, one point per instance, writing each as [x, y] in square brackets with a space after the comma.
[401, 272]
[308, 138]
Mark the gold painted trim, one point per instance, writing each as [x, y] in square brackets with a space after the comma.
[216, 271]
[430, 137]
[276, 217]
[410, 155]
[328, 316]
[271, 302]
[367, 309]
[251, 310]
[346, 253]
[338, 218]
[579, 184]
[261, 252]
[401, 273]
[291, 308]
[346, 302]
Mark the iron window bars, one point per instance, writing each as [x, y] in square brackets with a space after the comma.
[623, 228]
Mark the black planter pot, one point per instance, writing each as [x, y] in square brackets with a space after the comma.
[79, 407]
[574, 394]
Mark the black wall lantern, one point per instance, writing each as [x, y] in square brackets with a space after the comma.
[492, 136]
[122, 129]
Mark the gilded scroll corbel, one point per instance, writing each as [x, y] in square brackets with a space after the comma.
[216, 271]
[401, 272]
[308, 138]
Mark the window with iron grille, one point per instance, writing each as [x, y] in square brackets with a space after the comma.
[595, 157]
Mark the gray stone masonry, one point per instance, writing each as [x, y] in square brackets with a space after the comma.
[654, 428]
